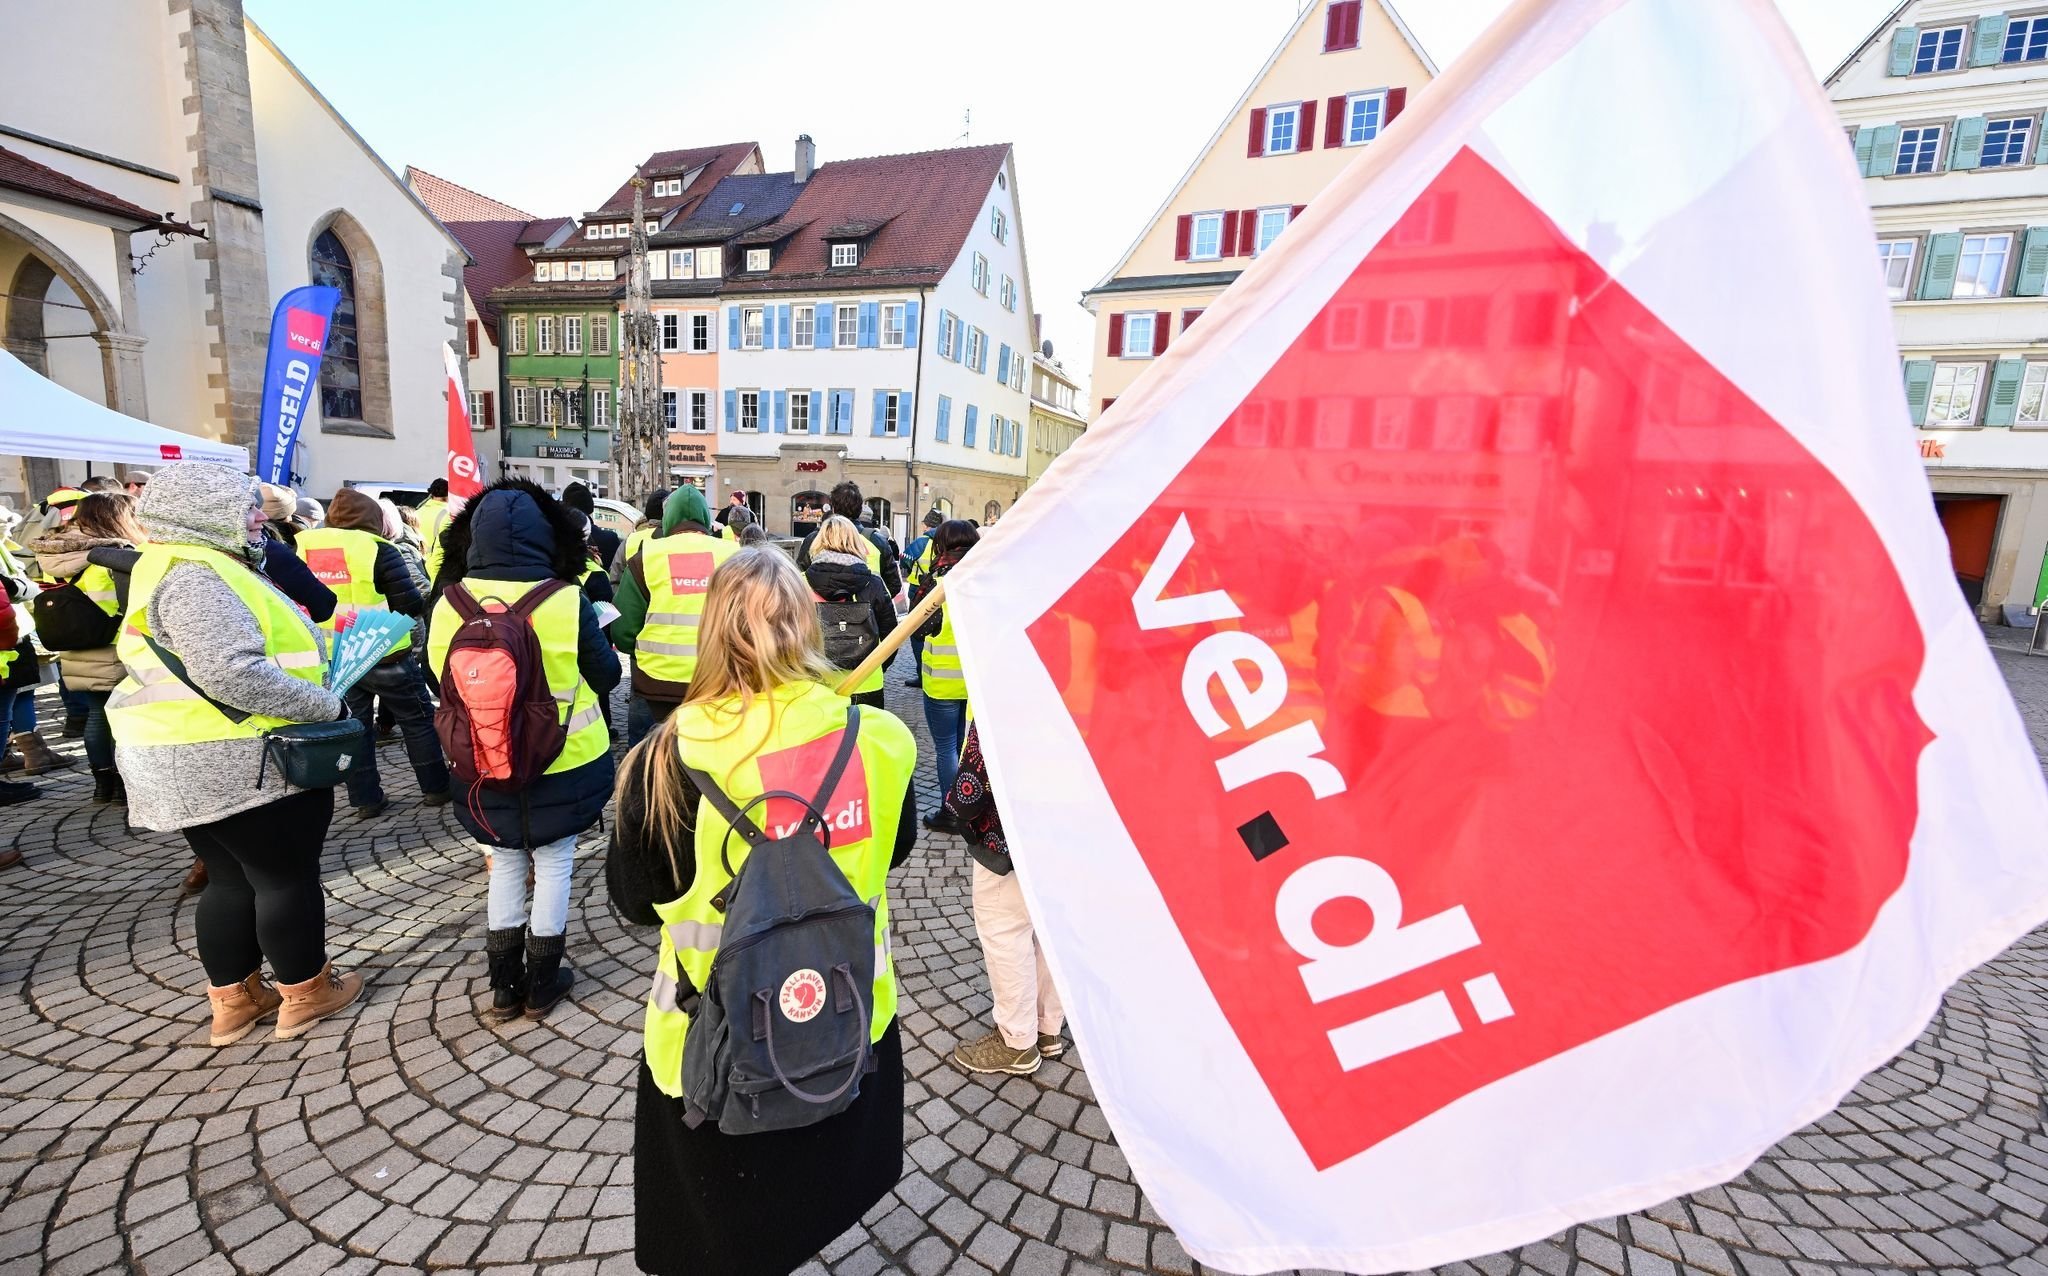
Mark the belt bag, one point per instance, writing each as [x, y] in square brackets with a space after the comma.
[306, 755]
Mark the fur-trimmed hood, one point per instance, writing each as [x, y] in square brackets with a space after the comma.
[513, 530]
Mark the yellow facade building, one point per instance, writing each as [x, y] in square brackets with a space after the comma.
[1342, 75]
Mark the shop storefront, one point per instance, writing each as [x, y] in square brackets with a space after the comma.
[1994, 516]
[791, 491]
[691, 463]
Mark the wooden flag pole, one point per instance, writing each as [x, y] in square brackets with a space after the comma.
[897, 637]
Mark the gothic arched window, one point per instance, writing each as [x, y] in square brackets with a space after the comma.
[341, 373]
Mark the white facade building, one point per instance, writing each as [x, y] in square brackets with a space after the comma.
[1944, 107]
[192, 110]
[879, 331]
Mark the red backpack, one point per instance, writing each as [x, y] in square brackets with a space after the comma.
[499, 722]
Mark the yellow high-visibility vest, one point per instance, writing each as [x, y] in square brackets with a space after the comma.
[432, 516]
[732, 747]
[558, 623]
[153, 706]
[677, 571]
[943, 678]
[345, 560]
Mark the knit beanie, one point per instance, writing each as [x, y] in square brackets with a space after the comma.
[279, 503]
[205, 504]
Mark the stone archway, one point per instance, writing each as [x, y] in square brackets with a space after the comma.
[365, 331]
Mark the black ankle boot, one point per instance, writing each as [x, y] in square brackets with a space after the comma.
[506, 950]
[107, 786]
[547, 976]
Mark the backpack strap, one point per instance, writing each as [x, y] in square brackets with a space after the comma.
[467, 608]
[530, 601]
[839, 759]
[737, 819]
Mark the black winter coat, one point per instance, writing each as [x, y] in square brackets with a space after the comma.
[515, 531]
[853, 582]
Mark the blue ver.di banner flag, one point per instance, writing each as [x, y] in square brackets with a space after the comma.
[298, 336]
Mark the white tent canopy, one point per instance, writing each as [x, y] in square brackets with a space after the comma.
[38, 417]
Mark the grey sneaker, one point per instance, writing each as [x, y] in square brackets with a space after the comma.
[1051, 1045]
[992, 1054]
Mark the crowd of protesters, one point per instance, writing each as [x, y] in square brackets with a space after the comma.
[194, 616]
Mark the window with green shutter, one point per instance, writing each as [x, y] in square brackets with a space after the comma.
[2005, 391]
[1988, 47]
[2033, 280]
[1904, 41]
[1919, 380]
[1938, 281]
[1884, 150]
[1968, 150]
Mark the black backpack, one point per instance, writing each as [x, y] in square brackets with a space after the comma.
[67, 620]
[781, 1035]
[850, 632]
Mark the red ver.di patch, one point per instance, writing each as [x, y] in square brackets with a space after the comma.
[689, 573]
[304, 330]
[330, 565]
[800, 770]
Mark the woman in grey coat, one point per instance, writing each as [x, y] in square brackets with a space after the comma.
[261, 845]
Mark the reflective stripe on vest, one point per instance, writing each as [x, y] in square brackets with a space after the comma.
[677, 570]
[97, 583]
[943, 679]
[720, 741]
[153, 706]
[558, 624]
[345, 560]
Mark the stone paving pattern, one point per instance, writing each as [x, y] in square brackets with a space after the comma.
[410, 1136]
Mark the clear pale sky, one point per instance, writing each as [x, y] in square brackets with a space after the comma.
[549, 105]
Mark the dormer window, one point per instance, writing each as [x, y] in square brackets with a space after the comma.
[621, 230]
[540, 272]
[846, 254]
[757, 259]
[575, 271]
[710, 263]
[653, 227]
[737, 208]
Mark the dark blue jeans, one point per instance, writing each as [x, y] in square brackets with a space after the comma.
[398, 684]
[948, 722]
[99, 733]
[643, 715]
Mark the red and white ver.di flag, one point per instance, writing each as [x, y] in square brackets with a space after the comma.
[465, 475]
[1488, 727]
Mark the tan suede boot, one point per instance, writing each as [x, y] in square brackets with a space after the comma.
[240, 1007]
[36, 756]
[308, 1003]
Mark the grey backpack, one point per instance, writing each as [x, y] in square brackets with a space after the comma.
[779, 1037]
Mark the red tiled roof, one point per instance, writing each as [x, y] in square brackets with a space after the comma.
[925, 205]
[19, 172]
[452, 203]
[718, 163]
[495, 247]
[542, 229]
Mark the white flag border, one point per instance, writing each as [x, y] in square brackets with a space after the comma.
[1225, 357]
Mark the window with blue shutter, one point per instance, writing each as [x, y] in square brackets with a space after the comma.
[842, 414]
[782, 327]
[732, 411]
[906, 414]
[782, 411]
[881, 397]
[1016, 438]
[1003, 365]
[911, 335]
[967, 425]
[944, 429]
[823, 339]
[732, 327]
[870, 324]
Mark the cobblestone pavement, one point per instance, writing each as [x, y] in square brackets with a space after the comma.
[410, 1136]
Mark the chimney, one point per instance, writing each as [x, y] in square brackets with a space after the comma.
[806, 157]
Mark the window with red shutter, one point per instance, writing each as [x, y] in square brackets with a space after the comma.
[1333, 123]
[1229, 248]
[472, 338]
[1255, 146]
[1161, 323]
[1116, 337]
[1247, 231]
[1297, 211]
[490, 408]
[1106, 403]
[1183, 233]
[1305, 135]
[1340, 26]
[1397, 101]
[1187, 319]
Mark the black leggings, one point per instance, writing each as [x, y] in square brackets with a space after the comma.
[263, 896]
